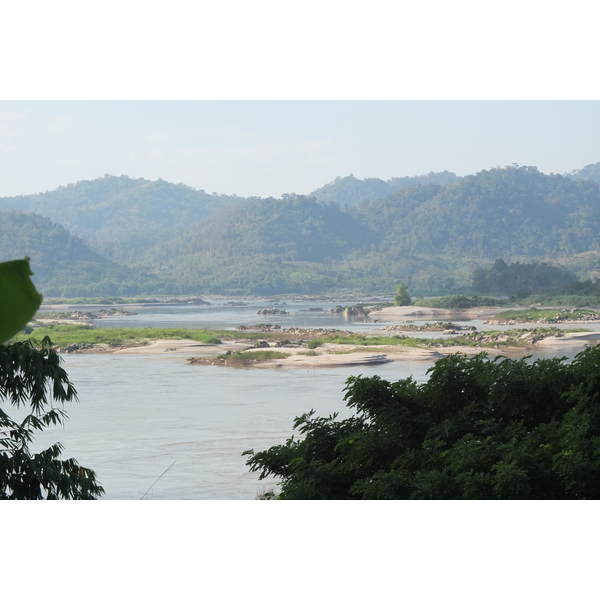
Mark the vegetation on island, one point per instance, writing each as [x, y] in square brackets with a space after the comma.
[82, 334]
[477, 429]
[458, 301]
[402, 297]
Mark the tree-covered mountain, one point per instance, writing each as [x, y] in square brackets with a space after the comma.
[120, 216]
[590, 172]
[510, 212]
[430, 236]
[293, 228]
[63, 265]
[350, 191]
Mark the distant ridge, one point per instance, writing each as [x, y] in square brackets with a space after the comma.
[121, 216]
[349, 191]
[431, 231]
[63, 265]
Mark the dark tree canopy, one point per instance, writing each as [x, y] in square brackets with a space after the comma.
[517, 277]
[33, 377]
[477, 429]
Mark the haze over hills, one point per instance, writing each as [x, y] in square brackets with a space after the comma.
[349, 191]
[121, 216]
[349, 235]
[63, 265]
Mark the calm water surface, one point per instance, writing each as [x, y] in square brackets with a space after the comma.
[138, 415]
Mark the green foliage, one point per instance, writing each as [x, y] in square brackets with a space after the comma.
[569, 300]
[64, 265]
[294, 228]
[349, 191]
[583, 288]
[63, 335]
[33, 376]
[120, 216]
[520, 279]
[431, 232]
[256, 355]
[312, 344]
[589, 172]
[458, 301]
[368, 340]
[84, 300]
[19, 300]
[402, 297]
[477, 429]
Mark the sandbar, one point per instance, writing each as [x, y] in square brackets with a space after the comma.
[401, 313]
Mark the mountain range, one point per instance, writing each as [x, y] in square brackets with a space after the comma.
[125, 236]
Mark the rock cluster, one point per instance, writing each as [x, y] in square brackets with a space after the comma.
[350, 311]
[271, 311]
[446, 328]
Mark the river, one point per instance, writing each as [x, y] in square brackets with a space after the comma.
[152, 427]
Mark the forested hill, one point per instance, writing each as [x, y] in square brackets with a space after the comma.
[120, 216]
[350, 191]
[293, 228]
[425, 234]
[515, 211]
[590, 172]
[512, 212]
[62, 263]
[431, 235]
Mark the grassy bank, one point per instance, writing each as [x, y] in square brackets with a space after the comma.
[459, 302]
[63, 335]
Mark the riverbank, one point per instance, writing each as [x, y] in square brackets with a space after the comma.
[294, 347]
[330, 354]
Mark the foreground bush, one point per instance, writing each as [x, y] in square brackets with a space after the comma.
[477, 429]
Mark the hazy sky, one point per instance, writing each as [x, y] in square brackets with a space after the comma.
[285, 97]
[265, 148]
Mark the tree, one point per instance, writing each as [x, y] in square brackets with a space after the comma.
[33, 376]
[477, 429]
[402, 298]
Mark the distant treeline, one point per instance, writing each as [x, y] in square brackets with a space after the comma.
[521, 280]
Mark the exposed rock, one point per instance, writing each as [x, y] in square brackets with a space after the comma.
[271, 311]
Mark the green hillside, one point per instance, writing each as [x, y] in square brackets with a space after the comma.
[589, 172]
[120, 216]
[433, 236]
[350, 191]
[511, 212]
[63, 265]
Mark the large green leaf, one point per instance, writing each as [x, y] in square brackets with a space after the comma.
[19, 300]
